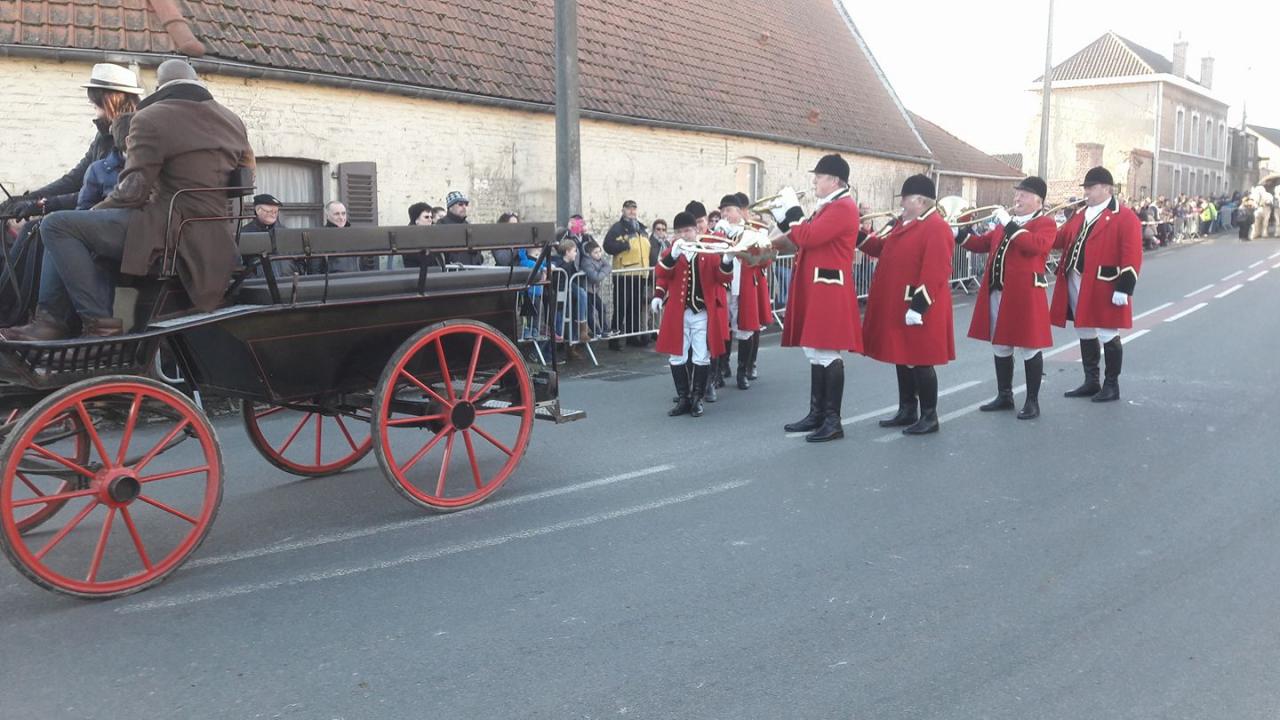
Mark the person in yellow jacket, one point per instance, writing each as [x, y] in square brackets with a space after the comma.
[628, 243]
[1208, 213]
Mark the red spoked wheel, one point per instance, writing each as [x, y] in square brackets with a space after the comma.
[452, 414]
[135, 510]
[308, 442]
[69, 438]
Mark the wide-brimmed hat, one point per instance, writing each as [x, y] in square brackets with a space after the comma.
[109, 76]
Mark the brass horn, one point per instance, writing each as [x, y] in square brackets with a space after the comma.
[786, 197]
[958, 213]
[1064, 206]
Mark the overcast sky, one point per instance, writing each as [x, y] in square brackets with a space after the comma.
[959, 63]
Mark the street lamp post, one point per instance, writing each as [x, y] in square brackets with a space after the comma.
[568, 149]
[1042, 167]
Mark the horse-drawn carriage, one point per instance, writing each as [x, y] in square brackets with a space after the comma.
[110, 478]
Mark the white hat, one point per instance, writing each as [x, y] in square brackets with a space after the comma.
[108, 76]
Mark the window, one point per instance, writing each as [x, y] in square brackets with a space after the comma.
[747, 179]
[1206, 148]
[1179, 127]
[298, 184]
[1221, 147]
[1177, 181]
[1193, 147]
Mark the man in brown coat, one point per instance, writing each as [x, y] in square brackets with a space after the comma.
[180, 138]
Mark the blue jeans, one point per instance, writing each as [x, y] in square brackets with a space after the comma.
[81, 249]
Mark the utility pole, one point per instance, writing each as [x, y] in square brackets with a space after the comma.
[1042, 168]
[568, 148]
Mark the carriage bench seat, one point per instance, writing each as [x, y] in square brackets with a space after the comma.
[378, 283]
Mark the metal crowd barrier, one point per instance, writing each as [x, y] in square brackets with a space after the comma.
[552, 313]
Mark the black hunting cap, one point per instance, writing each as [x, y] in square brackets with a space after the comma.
[1033, 184]
[683, 220]
[731, 201]
[833, 165]
[919, 185]
[696, 209]
[1098, 176]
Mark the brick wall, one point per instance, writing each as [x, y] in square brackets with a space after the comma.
[504, 159]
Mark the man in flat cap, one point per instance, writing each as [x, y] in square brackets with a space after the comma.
[1012, 308]
[909, 321]
[822, 305]
[1101, 258]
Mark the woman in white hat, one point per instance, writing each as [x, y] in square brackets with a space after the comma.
[113, 91]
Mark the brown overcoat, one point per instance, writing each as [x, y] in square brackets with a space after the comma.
[181, 139]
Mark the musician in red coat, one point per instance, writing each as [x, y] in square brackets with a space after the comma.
[1097, 273]
[908, 321]
[822, 304]
[702, 227]
[692, 313]
[748, 293]
[1012, 309]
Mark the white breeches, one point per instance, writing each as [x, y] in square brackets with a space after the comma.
[1086, 333]
[1005, 350]
[821, 357]
[695, 339]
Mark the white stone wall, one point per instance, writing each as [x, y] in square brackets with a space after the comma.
[504, 159]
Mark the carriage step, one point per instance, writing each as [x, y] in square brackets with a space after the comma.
[549, 410]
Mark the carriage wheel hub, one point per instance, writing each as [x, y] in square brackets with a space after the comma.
[123, 489]
[463, 415]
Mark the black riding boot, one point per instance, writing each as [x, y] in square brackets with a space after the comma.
[725, 371]
[698, 390]
[1114, 353]
[1090, 354]
[813, 420]
[927, 388]
[1035, 373]
[1004, 386]
[832, 394]
[744, 362]
[755, 353]
[713, 377]
[907, 414]
[680, 374]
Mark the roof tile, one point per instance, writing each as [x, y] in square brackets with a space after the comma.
[953, 155]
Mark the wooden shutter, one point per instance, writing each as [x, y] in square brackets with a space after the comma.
[358, 190]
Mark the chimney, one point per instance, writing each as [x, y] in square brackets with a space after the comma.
[1206, 72]
[1180, 57]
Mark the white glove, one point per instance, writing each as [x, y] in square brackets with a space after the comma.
[677, 249]
[1119, 299]
[730, 231]
[779, 213]
[656, 306]
[914, 318]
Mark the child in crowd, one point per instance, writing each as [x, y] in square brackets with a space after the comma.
[597, 267]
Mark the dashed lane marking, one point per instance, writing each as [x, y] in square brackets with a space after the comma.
[1188, 311]
[1237, 273]
[949, 416]
[1257, 264]
[1194, 293]
[423, 556]
[1255, 277]
[1154, 310]
[1228, 291]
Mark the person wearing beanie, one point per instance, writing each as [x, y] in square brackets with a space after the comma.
[1012, 308]
[822, 306]
[686, 298]
[1101, 258]
[909, 322]
[627, 241]
[457, 205]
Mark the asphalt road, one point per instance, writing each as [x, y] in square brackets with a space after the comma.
[1114, 561]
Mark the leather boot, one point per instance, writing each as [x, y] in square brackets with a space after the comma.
[1004, 386]
[1090, 354]
[927, 387]
[811, 422]
[755, 352]
[101, 327]
[1114, 352]
[43, 326]
[832, 394]
[744, 358]
[699, 388]
[907, 413]
[584, 332]
[725, 371]
[1035, 373]
[713, 376]
[680, 374]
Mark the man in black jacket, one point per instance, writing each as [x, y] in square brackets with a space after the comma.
[266, 218]
[457, 205]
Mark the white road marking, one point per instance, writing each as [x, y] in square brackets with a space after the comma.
[892, 408]
[1130, 338]
[1237, 273]
[1255, 277]
[950, 416]
[416, 522]
[1276, 266]
[1228, 291]
[1068, 346]
[1273, 256]
[1193, 293]
[1256, 264]
[1186, 312]
[423, 556]
[1157, 308]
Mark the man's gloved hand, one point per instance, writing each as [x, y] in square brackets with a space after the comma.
[656, 306]
[678, 249]
[914, 318]
[26, 207]
[1119, 299]
[793, 214]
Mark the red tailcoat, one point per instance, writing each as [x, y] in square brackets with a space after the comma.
[914, 272]
[1112, 260]
[822, 305]
[755, 311]
[1017, 263]
[674, 283]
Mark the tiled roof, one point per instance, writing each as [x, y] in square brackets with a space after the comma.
[1013, 160]
[1110, 56]
[955, 156]
[1271, 135]
[746, 66]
